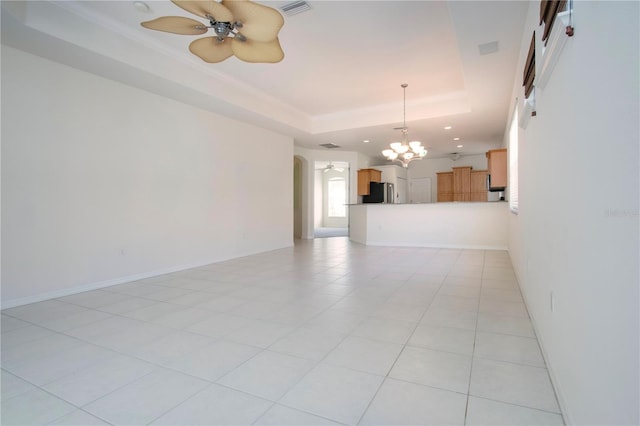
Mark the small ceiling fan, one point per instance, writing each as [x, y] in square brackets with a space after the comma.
[242, 28]
[330, 166]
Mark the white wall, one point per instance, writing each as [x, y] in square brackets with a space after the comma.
[102, 183]
[428, 167]
[576, 234]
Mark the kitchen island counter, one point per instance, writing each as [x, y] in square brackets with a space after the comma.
[471, 225]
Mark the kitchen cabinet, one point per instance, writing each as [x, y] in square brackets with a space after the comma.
[497, 165]
[445, 186]
[462, 183]
[366, 176]
[478, 184]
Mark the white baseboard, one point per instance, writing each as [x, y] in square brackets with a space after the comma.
[11, 303]
[436, 245]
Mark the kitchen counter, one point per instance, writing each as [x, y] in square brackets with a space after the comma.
[472, 225]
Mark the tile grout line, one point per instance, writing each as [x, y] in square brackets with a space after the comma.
[297, 327]
[386, 377]
[475, 335]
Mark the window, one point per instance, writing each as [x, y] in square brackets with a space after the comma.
[513, 162]
[337, 195]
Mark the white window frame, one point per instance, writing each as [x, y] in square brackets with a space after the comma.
[513, 161]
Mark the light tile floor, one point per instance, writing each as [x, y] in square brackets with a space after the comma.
[326, 332]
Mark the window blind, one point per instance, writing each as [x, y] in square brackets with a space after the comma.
[549, 9]
[513, 162]
[530, 68]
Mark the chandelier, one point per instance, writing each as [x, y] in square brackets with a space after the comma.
[405, 152]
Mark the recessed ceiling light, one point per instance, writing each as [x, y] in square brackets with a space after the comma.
[456, 139]
[141, 6]
[366, 141]
[459, 146]
[447, 127]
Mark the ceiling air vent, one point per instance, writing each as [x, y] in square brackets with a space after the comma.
[295, 7]
[488, 48]
[329, 145]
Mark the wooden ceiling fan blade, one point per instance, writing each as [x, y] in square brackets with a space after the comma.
[205, 9]
[176, 25]
[211, 50]
[259, 22]
[257, 51]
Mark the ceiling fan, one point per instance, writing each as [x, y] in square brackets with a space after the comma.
[330, 166]
[242, 28]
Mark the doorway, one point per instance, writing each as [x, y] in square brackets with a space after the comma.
[420, 190]
[331, 196]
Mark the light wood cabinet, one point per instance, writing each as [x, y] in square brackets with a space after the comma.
[366, 176]
[478, 183]
[445, 186]
[497, 165]
[461, 183]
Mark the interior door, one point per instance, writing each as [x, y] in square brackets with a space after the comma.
[401, 190]
[420, 190]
